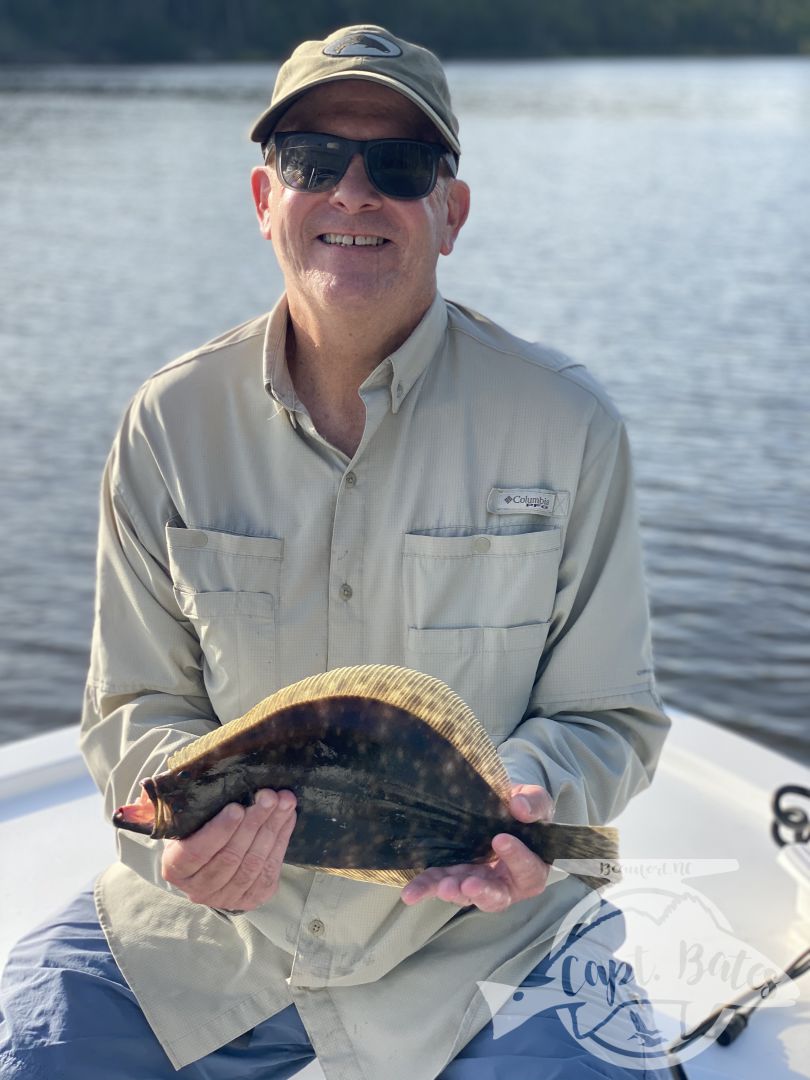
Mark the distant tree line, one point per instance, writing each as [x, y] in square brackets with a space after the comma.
[126, 31]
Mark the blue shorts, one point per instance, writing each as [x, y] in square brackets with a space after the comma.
[66, 1013]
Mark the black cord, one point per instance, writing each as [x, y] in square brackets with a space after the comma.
[742, 1007]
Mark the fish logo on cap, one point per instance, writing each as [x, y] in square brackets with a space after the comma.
[362, 43]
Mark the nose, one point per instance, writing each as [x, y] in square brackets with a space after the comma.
[354, 191]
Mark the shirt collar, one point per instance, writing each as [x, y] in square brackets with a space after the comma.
[277, 379]
[399, 371]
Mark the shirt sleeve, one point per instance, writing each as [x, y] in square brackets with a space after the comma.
[594, 726]
[145, 697]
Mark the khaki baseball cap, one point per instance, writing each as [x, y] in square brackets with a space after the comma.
[364, 52]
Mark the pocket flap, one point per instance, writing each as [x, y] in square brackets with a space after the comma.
[204, 560]
[478, 639]
[486, 545]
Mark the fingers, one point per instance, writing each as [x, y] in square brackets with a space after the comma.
[234, 861]
[477, 885]
[438, 881]
[242, 863]
[524, 871]
[183, 858]
[269, 848]
[486, 893]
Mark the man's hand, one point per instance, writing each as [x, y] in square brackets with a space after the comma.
[234, 861]
[514, 875]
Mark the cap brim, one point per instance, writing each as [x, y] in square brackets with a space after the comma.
[263, 127]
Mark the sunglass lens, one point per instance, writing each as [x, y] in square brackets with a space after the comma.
[402, 170]
[309, 164]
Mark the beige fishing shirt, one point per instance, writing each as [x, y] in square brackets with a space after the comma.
[484, 532]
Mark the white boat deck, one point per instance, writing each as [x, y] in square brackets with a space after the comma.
[710, 800]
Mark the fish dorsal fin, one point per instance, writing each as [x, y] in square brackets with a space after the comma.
[395, 878]
[421, 695]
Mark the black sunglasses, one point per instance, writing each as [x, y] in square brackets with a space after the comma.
[398, 168]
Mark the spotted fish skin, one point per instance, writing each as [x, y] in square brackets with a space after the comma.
[373, 788]
[392, 774]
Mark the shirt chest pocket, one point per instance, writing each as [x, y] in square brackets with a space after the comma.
[227, 586]
[477, 610]
[481, 580]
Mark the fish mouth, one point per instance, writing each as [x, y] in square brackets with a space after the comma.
[138, 817]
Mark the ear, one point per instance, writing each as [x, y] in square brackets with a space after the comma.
[458, 207]
[261, 186]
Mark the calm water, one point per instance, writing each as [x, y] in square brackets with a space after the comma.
[650, 217]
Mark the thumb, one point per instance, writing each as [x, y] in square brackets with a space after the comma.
[530, 802]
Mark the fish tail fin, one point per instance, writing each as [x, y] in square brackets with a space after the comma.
[588, 852]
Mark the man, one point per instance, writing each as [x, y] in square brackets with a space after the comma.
[367, 475]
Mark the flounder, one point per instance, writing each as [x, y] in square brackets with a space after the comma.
[392, 772]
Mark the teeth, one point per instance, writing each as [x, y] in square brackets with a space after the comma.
[347, 241]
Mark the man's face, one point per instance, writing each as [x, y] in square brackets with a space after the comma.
[397, 277]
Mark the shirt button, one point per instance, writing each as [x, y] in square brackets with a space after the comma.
[481, 545]
[316, 927]
[346, 591]
[399, 390]
[196, 539]
[351, 479]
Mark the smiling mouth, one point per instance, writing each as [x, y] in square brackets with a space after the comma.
[345, 240]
